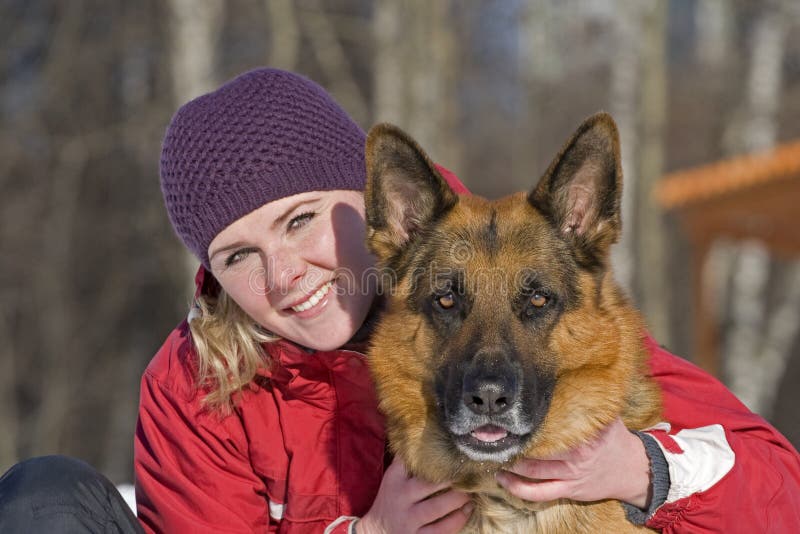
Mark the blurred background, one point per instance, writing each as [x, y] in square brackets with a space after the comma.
[92, 278]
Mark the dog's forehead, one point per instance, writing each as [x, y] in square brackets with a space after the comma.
[496, 247]
[509, 227]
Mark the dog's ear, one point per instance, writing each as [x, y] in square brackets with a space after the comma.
[404, 193]
[581, 190]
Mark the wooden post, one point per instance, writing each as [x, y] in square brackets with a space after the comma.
[706, 338]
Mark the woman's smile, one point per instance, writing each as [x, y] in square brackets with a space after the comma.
[312, 305]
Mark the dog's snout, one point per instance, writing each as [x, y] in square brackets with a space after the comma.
[488, 396]
[490, 385]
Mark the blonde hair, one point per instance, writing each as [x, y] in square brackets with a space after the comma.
[229, 349]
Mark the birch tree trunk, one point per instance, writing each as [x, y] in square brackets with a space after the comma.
[8, 400]
[781, 333]
[541, 60]
[760, 371]
[388, 80]
[415, 74]
[715, 31]
[625, 80]
[752, 334]
[334, 61]
[195, 29]
[284, 34]
[56, 324]
[748, 310]
[714, 23]
[539, 64]
[649, 221]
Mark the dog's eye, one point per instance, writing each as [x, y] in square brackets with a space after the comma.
[537, 303]
[446, 301]
[539, 300]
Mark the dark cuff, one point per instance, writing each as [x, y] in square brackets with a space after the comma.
[659, 481]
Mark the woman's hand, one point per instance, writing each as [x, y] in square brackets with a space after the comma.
[613, 466]
[408, 505]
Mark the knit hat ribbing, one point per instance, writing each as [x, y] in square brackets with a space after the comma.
[265, 135]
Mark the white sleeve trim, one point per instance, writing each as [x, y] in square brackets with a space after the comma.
[276, 510]
[339, 521]
[706, 458]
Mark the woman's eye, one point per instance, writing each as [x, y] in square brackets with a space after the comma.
[446, 301]
[299, 220]
[237, 256]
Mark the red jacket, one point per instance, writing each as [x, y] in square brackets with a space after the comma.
[309, 436]
[757, 491]
[306, 446]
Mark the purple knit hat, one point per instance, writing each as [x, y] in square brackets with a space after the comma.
[264, 135]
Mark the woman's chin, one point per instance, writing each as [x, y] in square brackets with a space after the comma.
[335, 327]
[325, 343]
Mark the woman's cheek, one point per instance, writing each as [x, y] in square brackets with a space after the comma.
[257, 282]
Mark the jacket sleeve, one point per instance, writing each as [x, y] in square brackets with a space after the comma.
[730, 470]
[192, 468]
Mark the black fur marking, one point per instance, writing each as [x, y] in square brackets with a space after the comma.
[490, 237]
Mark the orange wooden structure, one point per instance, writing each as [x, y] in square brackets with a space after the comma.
[756, 196]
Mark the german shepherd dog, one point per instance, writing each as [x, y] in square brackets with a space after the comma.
[504, 334]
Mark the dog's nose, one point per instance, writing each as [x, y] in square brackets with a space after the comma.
[489, 395]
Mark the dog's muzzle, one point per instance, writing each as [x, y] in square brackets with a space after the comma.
[482, 405]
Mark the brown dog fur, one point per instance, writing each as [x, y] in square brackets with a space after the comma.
[580, 357]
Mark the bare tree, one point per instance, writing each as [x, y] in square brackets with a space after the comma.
[755, 128]
[388, 75]
[748, 314]
[625, 83]
[540, 58]
[195, 30]
[781, 333]
[568, 51]
[414, 73]
[284, 34]
[649, 222]
[196, 27]
[714, 18]
[334, 61]
[51, 295]
[8, 400]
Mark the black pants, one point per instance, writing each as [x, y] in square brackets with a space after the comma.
[60, 495]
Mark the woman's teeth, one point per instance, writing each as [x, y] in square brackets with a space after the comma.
[314, 299]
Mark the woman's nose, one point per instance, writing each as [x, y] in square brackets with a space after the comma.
[285, 271]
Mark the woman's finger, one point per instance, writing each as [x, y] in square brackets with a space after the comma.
[452, 523]
[422, 491]
[543, 469]
[414, 489]
[439, 506]
[537, 491]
